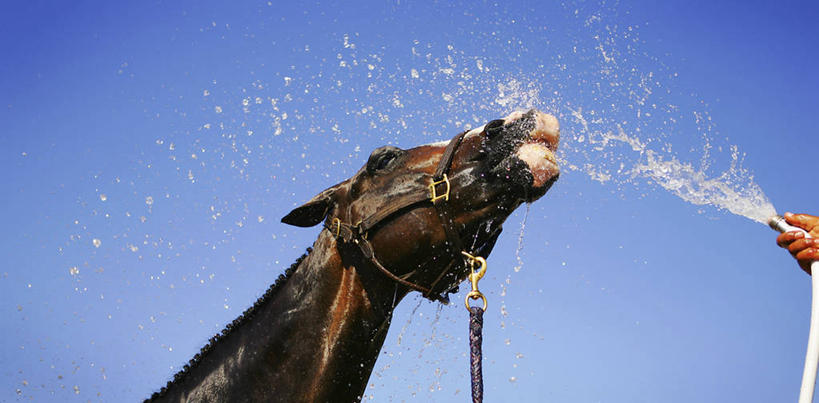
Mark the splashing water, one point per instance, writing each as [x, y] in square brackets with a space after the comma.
[733, 190]
[519, 248]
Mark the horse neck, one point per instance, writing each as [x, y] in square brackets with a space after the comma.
[315, 340]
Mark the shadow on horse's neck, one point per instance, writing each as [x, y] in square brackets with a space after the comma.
[314, 336]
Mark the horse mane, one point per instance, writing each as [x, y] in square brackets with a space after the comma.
[230, 328]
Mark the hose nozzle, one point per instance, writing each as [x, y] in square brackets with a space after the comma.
[778, 223]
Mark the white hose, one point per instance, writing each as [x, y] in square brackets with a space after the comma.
[812, 355]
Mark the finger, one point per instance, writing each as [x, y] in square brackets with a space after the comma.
[806, 258]
[801, 244]
[784, 239]
[809, 255]
[804, 221]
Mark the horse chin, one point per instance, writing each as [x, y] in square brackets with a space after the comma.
[536, 192]
[541, 168]
[524, 179]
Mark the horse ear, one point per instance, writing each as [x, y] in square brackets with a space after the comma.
[312, 212]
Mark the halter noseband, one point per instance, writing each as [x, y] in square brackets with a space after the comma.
[437, 193]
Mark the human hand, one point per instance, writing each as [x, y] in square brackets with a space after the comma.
[804, 250]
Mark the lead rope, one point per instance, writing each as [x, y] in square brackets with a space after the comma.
[476, 326]
[475, 356]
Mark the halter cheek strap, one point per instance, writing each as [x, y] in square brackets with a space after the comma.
[436, 192]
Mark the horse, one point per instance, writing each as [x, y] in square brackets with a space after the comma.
[397, 226]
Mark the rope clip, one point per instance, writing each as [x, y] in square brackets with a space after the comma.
[474, 277]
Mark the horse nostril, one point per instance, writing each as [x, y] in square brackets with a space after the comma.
[493, 127]
[494, 124]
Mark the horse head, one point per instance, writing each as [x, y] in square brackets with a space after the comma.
[412, 212]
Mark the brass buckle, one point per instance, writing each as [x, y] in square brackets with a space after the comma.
[337, 222]
[363, 235]
[434, 196]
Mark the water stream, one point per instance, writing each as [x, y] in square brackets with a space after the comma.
[732, 190]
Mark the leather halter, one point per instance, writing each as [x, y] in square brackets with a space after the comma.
[437, 193]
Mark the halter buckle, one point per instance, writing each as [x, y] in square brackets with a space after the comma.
[359, 232]
[337, 223]
[434, 196]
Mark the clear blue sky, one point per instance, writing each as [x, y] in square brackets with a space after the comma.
[148, 151]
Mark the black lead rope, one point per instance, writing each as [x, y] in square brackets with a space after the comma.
[476, 326]
[475, 355]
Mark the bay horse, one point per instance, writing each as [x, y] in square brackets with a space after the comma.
[398, 225]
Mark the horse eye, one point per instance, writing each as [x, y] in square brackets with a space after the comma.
[384, 161]
[382, 158]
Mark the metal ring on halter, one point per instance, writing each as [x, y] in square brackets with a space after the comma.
[476, 260]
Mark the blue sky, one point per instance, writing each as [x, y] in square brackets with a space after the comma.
[148, 152]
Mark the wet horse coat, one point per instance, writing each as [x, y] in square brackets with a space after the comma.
[315, 336]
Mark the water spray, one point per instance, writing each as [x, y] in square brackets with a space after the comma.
[778, 223]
